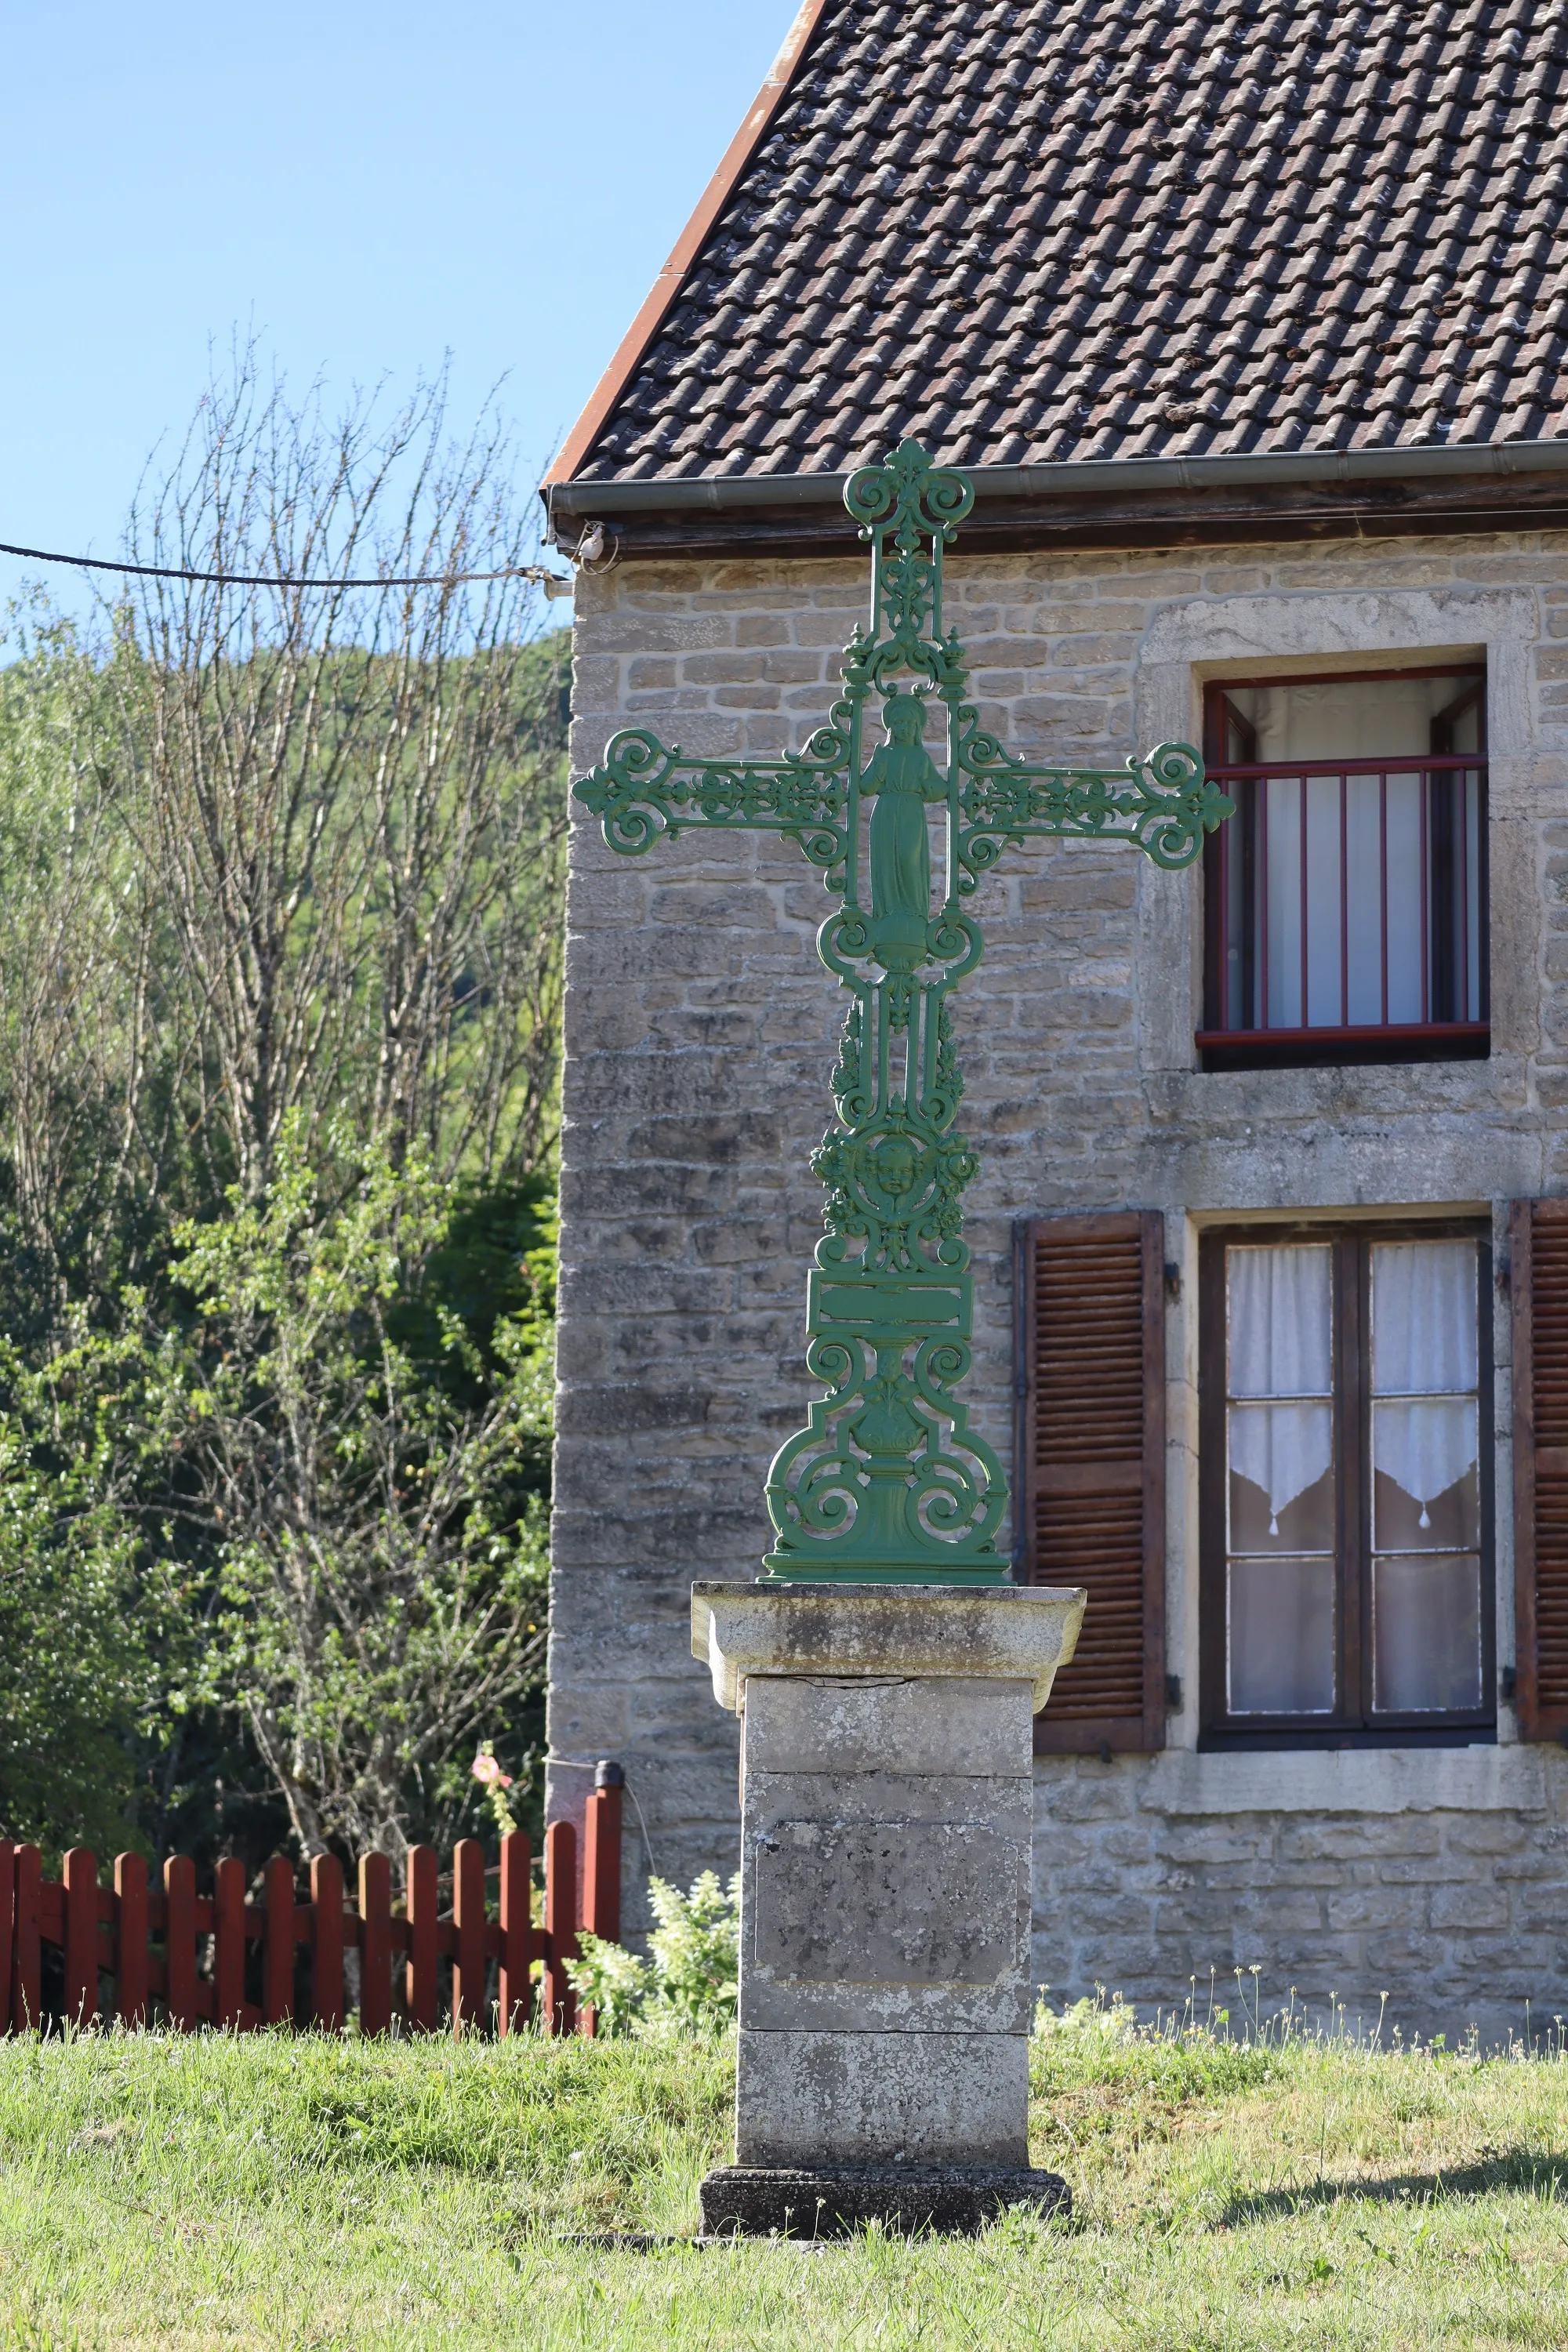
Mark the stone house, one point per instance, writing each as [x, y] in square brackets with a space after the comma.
[1246, 322]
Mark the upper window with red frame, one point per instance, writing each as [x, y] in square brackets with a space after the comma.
[1346, 899]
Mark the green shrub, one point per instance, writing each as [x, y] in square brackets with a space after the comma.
[690, 1981]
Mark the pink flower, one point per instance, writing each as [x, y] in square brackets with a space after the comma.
[487, 1770]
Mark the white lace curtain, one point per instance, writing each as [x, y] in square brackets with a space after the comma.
[1280, 1339]
[1423, 1355]
[1280, 1318]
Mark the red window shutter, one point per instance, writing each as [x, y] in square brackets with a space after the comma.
[1092, 1467]
[1538, 1286]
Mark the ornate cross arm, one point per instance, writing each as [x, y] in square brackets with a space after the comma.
[888, 1482]
[1164, 802]
[643, 792]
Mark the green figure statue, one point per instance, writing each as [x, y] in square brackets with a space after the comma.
[904, 777]
[888, 1482]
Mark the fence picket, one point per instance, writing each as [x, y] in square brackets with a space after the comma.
[278, 1945]
[327, 1940]
[601, 1862]
[228, 1944]
[420, 1882]
[99, 1933]
[376, 1943]
[131, 1938]
[82, 1935]
[26, 2001]
[558, 2002]
[180, 1941]
[516, 1932]
[7, 1912]
[469, 1935]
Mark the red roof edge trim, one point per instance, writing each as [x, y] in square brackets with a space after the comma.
[639, 335]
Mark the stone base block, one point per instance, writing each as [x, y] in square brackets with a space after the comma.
[748, 2201]
[827, 2100]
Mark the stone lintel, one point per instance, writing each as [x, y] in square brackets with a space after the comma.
[1005, 1632]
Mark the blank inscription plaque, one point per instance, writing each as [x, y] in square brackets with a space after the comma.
[894, 1903]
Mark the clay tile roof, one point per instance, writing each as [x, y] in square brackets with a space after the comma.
[1032, 231]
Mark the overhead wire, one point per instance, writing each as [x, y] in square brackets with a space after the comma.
[535, 571]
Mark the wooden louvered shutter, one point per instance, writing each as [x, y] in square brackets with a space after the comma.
[1538, 1284]
[1092, 1457]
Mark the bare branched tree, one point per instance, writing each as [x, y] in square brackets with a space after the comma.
[285, 849]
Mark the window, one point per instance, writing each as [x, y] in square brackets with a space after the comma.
[1345, 1489]
[1346, 899]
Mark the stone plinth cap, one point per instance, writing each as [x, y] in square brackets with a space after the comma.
[1003, 1634]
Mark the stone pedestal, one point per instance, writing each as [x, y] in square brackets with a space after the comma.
[887, 1803]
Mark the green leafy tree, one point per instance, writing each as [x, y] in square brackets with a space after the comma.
[280, 884]
[379, 1542]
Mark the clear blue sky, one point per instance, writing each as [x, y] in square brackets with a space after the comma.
[370, 187]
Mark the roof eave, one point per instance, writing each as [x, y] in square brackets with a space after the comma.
[1134, 502]
[1080, 477]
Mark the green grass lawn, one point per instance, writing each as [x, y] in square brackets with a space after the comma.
[288, 2192]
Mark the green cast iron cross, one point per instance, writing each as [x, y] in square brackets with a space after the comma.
[887, 1483]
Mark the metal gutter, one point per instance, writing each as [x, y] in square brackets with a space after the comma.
[1081, 478]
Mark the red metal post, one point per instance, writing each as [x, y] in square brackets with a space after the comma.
[558, 2005]
[1344, 904]
[26, 2000]
[1306, 1014]
[376, 1943]
[327, 1941]
[228, 1943]
[516, 1931]
[1222, 865]
[180, 1941]
[1462, 1004]
[131, 1938]
[7, 1927]
[420, 1883]
[1383, 880]
[81, 1935]
[1423, 796]
[1264, 894]
[469, 1922]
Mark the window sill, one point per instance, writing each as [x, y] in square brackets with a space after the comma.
[1480, 1780]
[1295, 1049]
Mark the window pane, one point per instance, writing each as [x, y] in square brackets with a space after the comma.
[1407, 877]
[1364, 892]
[1423, 1317]
[1281, 1636]
[1426, 1491]
[1353, 719]
[1427, 1633]
[1280, 1322]
[1281, 1477]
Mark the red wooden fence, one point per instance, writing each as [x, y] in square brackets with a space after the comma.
[153, 1941]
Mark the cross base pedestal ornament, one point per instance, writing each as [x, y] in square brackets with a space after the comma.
[886, 1669]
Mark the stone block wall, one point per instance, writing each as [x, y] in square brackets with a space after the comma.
[1435, 1877]
[699, 1031]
